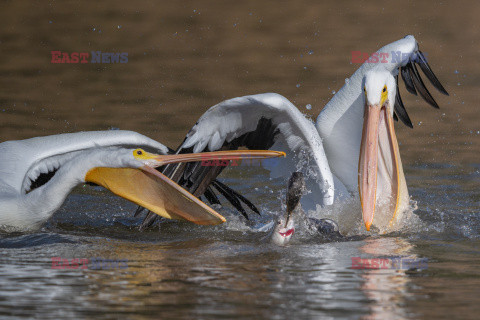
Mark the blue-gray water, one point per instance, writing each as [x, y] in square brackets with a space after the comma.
[185, 57]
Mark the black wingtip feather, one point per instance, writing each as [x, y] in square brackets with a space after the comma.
[414, 83]
[400, 110]
[240, 197]
[407, 79]
[422, 62]
[420, 86]
[138, 211]
[148, 221]
[232, 199]
[211, 196]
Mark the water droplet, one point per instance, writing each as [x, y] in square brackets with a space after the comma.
[420, 123]
[50, 21]
[310, 52]
[458, 84]
[308, 106]
[456, 71]
[118, 27]
[298, 85]
[333, 92]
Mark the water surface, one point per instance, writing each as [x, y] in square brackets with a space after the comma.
[185, 57]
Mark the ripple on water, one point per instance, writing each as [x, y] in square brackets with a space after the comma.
[14, 241]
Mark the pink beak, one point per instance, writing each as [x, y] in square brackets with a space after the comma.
[378, 142]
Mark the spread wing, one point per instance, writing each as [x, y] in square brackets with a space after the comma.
[263, 121]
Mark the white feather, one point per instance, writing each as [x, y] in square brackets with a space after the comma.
[22, 162]
[340, 122]
[297, 136]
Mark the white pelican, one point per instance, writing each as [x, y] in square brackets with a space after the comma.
[37, 174]
[332, 149]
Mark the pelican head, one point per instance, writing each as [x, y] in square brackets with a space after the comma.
[132, 175]
[379, 162]
[37, 174]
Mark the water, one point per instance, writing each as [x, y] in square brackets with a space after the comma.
[186, 57]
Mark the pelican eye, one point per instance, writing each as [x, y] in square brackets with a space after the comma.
[384, 96]
[139, 154]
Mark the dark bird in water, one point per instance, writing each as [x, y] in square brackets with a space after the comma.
[285, 227]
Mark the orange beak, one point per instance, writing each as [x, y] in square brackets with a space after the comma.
[379, 146]
[154, 191]
[229, 155]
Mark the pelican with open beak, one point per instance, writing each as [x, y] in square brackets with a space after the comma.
[381, 181]
[37, 174]
[338, 160]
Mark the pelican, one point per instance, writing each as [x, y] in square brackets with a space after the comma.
[351, 149]
[37, 174]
